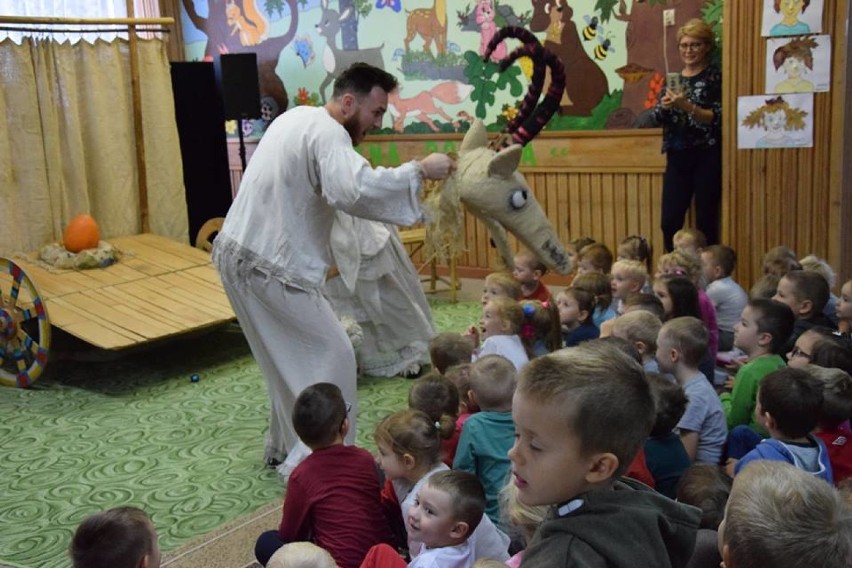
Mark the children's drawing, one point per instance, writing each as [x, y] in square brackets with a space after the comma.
[792, 17]
[304, 48]
[777, 122]
[487, 29]
[798, 65]
[395, 5]
[422, 105]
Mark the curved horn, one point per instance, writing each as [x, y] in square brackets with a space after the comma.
[533, 125]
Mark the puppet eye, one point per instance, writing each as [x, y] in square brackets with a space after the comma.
[518, 199]
[547, 8]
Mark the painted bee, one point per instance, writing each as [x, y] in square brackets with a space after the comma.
[602, 50]
[592, 27]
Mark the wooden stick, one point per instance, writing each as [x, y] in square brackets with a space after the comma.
[131, 21]
[142, 172]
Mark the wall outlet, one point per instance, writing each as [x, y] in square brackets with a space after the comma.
[668, 17]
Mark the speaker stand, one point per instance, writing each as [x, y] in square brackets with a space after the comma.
[242, 143]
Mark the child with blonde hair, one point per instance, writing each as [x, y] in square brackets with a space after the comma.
[488, 434]
[636, 247]
[541, 332]
[500, 285]
[844, 309]
[779, 260]
[595, 257]
[640, 328]
[522, 518]
[690, 240]
[301, 555]
[499, 332]
[576, 307]
[628, 277]
[528, 271]
[572, 249]
[409, 454]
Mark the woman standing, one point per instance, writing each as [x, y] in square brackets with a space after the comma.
[691, 115]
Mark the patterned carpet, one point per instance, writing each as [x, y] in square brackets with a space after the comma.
[137, 430]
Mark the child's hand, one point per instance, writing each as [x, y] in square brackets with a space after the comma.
[472, 333]
[729, 467]
[729, 383]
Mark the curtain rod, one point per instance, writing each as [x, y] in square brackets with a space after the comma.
[119, 30]
[85, 21]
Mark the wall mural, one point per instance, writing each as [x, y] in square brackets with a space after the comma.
[614, 53]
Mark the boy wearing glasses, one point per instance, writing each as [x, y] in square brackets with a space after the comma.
[332, 497]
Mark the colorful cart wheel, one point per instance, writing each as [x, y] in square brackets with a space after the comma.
[24, 328]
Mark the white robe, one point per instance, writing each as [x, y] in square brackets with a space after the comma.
[274, 250]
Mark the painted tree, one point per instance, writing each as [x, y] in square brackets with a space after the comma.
[222, 37]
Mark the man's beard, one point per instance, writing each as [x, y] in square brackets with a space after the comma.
[354, 129]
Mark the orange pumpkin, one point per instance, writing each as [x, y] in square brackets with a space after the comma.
[81, 233]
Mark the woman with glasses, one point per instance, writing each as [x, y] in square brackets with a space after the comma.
[691, 114]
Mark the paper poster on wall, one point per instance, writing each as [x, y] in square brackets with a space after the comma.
[799, 64]
[780, 121]
[791, 17]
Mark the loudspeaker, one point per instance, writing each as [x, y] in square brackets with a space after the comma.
[200, 118]
[236, 75]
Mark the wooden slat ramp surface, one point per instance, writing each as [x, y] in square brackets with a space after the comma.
[160, 288]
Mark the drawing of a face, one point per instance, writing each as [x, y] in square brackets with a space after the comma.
[791, 8]
[774, 121]
[794, 67]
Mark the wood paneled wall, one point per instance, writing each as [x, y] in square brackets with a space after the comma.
[795, 197]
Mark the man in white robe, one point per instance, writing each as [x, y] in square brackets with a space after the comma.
[274, 251]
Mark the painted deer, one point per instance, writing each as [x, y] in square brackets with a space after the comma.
[335, 60]
[430, 24]
[590, 85]
[487, 182]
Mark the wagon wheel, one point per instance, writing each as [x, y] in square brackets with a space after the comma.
[24, 328]
[208, 232]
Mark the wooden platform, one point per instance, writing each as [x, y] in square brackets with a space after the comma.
[160, 288]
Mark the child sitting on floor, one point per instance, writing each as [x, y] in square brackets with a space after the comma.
[664, 452]
[788, 406]
[640, 328]
[301, 555]
[806, 293]
[448, 349]
[636, 247]
[488, 434]
[122, 536]
[499, 330]
[836, 410]
[575, 316]
[500, 285]
[438, 396]
[728, 297]
[409, 454]
[333, 495]
[540, 333]
[528, 272]
[581, 415]
[445, 514]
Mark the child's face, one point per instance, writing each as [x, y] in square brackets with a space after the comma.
[587, 266]
[573, 256]
[623, 284]
[491, 323]
[844, 303]
[709, 267]
[786, 294]
[569, 309]
[803, 350]
[548, 464]
[662, 292]
[491, 291]
[523, 271]
[664, 353]
[746, 335]
[390, 463]
[431, 520]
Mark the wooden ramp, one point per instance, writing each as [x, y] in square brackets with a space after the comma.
[160, 288]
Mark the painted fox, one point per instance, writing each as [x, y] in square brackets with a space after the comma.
[249, 22]
[422, 105]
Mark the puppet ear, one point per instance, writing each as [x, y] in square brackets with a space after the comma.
[476, 137]
[505, 163]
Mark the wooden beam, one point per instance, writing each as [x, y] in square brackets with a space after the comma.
[141, 170]
[87, 21]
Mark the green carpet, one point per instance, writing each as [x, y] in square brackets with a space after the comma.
[137, 431]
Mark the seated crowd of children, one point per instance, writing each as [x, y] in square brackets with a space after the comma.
[626, 421]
